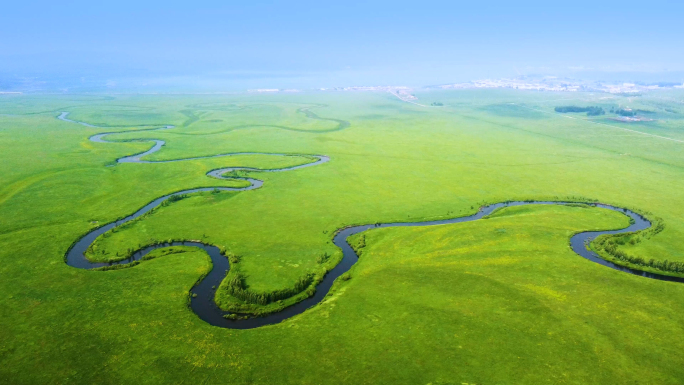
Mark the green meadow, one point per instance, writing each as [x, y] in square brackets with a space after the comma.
[503, 300]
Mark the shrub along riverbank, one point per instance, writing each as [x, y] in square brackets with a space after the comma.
[608, 247]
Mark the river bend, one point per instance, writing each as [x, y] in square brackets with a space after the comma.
[202, 298]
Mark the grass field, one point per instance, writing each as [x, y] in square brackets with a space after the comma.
[497, 301]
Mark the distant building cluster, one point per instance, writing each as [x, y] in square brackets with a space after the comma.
[271, 90]
[523, 83]
[562, 85]
[370, 88]
[514, 84]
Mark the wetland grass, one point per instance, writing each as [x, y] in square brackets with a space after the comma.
[456, 303]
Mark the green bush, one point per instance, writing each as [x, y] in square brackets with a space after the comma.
[236, 287]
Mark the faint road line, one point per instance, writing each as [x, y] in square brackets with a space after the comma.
[407, 101]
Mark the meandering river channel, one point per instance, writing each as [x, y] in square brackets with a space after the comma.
[202, 298]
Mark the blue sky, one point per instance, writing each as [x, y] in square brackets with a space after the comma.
[345, 43]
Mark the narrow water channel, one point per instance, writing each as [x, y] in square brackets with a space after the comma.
[202, 294]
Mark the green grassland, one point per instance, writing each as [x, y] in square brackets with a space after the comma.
[497, 301]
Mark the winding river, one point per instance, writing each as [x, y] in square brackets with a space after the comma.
[202, 298]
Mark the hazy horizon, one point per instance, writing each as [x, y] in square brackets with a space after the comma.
[217, 46]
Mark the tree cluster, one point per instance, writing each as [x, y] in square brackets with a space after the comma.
[591, 110]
